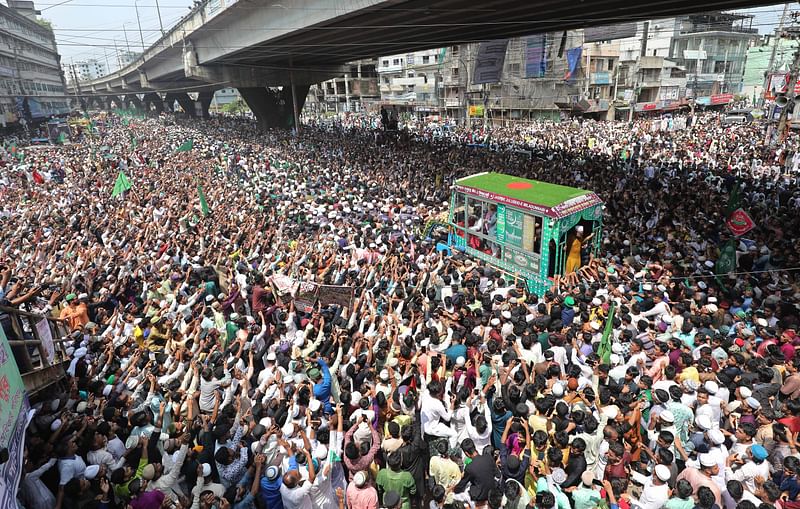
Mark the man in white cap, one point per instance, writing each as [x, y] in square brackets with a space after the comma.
[703, 476]
[655, 490]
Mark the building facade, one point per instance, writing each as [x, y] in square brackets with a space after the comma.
[31, 82]
[84, 70]
[354, 91]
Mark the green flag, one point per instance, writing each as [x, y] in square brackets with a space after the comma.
[604, 351]
[62, 138]
[134, 142]
[186, 147]
[734, 200]
[121, 185]
[203, 202]
[727, 259]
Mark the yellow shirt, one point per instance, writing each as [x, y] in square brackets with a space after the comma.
[689, 373]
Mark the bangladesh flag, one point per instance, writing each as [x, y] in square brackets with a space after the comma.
[186, 147]
[121, 185]
[62, 138]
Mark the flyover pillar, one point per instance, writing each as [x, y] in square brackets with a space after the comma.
[184, 100]
[113, 101]
[153, 100]
[205, 99]
[273, 108]
[134, 101]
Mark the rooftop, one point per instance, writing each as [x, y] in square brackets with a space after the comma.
[550, 199]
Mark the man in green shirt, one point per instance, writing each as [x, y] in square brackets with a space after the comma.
[397, 480]
[585, 496]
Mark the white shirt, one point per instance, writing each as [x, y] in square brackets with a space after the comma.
[653, 497]
[297, 497]
[70, 468]
[431, 411]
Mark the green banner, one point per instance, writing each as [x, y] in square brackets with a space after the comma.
[515, 221]
[12, 391]
[500, 226]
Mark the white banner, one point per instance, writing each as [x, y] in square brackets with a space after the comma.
[43, 328]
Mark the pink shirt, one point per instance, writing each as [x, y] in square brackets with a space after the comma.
[362, 498]
[657, 369]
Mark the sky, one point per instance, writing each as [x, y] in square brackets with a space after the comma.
[93, 28]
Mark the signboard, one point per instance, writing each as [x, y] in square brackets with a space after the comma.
[14, 419]
[601, 78]
[515, 220]
[525, 261]
[693, 54]
[739, 222]
[489, 62]
[721, 98]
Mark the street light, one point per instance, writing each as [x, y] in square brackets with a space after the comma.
[139, 22]
[127, 44]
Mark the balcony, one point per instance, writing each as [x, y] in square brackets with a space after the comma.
[651, 62]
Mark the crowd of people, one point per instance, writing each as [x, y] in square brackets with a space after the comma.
[201, 374]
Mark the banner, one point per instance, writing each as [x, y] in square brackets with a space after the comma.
[536, 56]
[306, 296]
[573, 62]
[46, 336]
[489, 62]
[14, 418]
[338, 295]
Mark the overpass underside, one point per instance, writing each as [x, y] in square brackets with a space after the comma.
[265, 49]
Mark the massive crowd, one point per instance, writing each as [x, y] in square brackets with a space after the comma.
[200, 378]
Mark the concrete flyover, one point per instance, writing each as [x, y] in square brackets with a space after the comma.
[256, 44]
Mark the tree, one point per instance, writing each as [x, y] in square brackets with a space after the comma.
[236, 107]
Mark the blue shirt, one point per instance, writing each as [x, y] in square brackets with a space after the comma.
[270, 492]
[322, 389]
[456, 351]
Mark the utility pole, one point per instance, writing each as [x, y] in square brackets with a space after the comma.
[783, 122]
[139, 22]
[160, 24]
[127, 44]
[775, 42]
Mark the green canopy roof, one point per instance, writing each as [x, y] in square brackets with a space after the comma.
[530, 194]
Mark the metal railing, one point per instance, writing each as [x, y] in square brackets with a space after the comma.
[38, 346]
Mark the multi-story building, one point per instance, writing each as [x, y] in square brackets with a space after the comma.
[409, 81]
[85, 70]
[713, 49]
[354, 91]
[31, 82]
[441, 81]
[780, 52]
[125, 57]
[698, 56]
